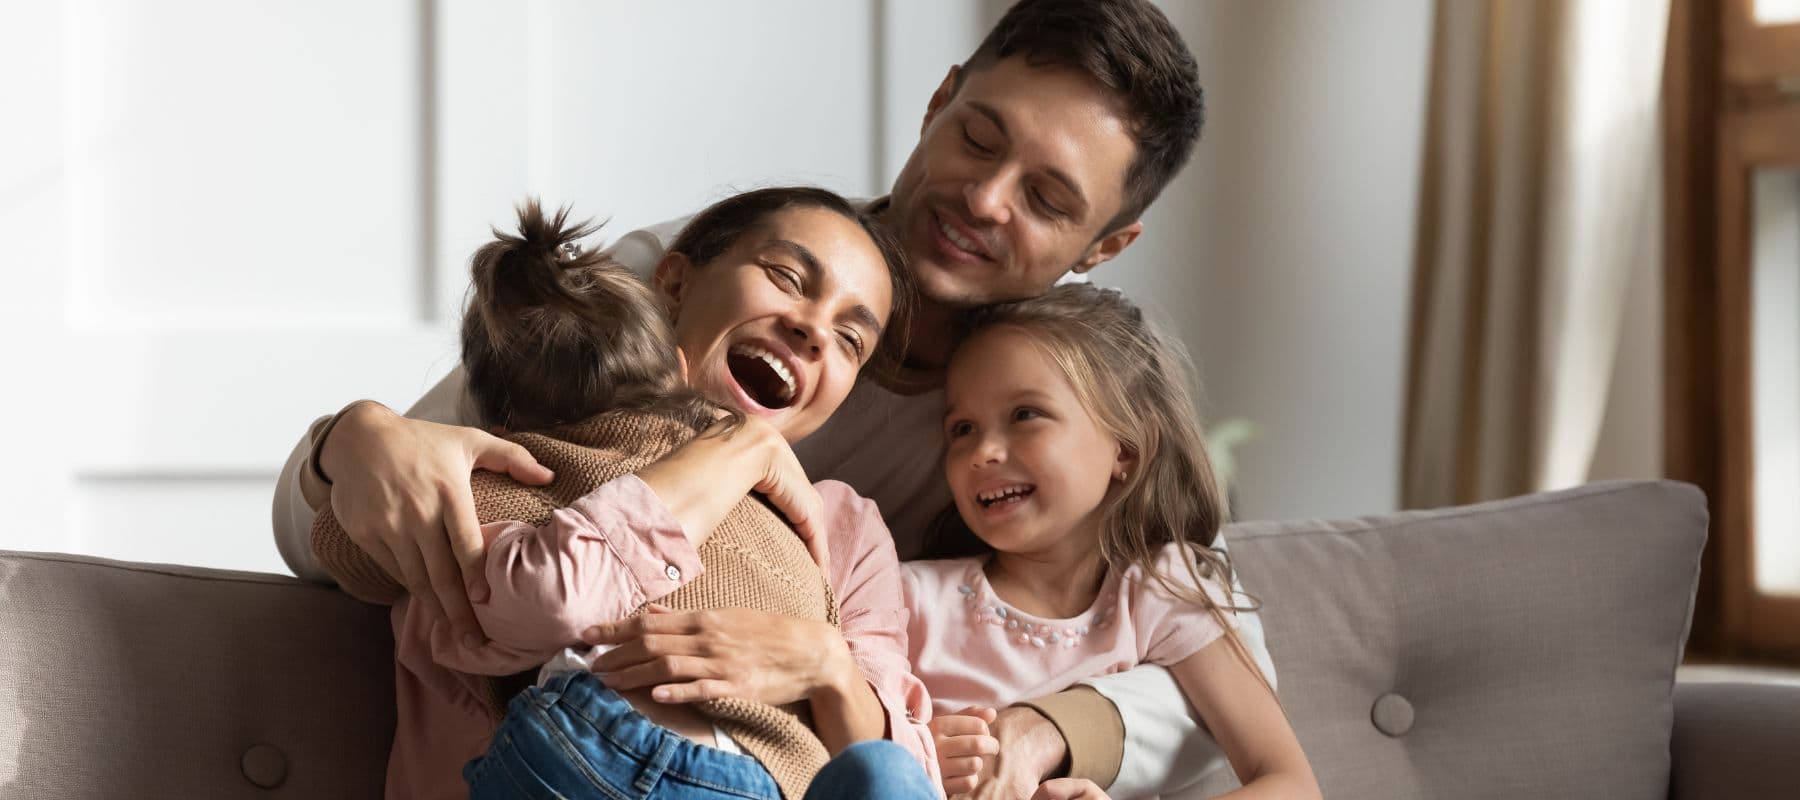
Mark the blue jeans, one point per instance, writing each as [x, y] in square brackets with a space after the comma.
[574, 738]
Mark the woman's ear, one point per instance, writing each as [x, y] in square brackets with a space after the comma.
[670, 280]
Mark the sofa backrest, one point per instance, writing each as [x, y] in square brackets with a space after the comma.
[1525, 647]
[1521, 648]
[150, 681]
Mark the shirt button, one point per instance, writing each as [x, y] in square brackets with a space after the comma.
[673, 572]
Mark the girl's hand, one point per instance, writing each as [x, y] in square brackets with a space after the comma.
[962, 740]
[703, 479]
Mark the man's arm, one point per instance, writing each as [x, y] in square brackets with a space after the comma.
[1165, 749]
[302, 491]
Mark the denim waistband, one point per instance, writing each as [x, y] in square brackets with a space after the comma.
[580, 694]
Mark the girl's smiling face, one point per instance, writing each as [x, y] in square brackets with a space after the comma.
[779, 324]
[1029, 466]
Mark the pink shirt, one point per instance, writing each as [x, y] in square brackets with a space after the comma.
[973, 649]
[597, 560]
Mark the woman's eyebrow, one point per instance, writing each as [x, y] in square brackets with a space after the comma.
[811, 263]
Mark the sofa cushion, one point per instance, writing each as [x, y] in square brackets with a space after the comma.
[140, 680]
[1525, 647]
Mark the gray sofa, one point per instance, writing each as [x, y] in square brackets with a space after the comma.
[1519, 648]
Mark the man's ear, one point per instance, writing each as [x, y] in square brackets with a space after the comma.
[670, 280]
[940, 98]
[1108, 247]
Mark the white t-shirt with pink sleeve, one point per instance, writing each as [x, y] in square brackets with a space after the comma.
[972, 648]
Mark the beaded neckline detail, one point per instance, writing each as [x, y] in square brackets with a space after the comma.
[1026, 631]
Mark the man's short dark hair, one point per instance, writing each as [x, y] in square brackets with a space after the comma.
[1132, 50]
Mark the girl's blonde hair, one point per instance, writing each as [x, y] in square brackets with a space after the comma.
[1136, 382]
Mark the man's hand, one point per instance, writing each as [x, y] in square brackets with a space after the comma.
[733, 652]
[400, 488]
[962, 740]
[1031, 749]
[1070, 789]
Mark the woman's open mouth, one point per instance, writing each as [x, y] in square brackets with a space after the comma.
[762, 376]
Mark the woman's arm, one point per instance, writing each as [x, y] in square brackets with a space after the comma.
[1246, 719]
[686, 657]
[872, 615]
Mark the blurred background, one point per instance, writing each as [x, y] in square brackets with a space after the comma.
[225, 219]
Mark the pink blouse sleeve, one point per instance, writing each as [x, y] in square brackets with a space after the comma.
[596, 560]
[1173, 629]
[865, 574]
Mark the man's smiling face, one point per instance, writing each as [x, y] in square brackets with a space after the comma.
[1016, 175]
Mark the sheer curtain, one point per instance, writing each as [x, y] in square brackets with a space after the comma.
[1539, 199]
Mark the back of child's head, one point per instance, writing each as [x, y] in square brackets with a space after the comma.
[1136, 382]
[555, 335]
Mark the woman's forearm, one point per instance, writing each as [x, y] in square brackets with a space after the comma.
[846, 711]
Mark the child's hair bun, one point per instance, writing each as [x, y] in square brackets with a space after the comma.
[554, 334]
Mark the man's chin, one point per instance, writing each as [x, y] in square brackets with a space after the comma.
[941, 286]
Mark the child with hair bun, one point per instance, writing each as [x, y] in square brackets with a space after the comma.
[1082, 486]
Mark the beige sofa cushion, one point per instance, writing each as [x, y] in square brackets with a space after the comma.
[1519, 648]
[145, 681]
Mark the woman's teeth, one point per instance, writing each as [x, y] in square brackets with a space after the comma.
[958, 239]
[1008, 494]
[780, 369]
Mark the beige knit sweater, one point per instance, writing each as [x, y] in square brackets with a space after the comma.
[752, 560]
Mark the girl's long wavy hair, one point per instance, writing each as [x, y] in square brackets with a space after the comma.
[1136, 382]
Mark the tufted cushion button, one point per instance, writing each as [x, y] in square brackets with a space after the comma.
[1392, 715]
[264, 765]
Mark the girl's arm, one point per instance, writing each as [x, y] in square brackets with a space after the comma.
[595, 560]
[1247, 721]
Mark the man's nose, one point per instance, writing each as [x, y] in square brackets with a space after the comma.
[989, 196]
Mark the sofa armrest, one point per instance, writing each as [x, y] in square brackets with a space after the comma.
[1735, 740]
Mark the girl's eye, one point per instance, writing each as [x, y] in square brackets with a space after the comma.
[959, 429]
[1022, 414]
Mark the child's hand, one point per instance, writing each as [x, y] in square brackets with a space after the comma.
[962, 740]
[1069, 789]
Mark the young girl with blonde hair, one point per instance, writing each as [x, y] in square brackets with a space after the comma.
[1075, 461]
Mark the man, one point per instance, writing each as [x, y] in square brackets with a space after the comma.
[1035, 158]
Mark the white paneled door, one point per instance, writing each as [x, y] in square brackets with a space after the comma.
[221, 219]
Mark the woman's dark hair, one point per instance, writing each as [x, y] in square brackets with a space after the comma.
[553, 335]
[713, 231]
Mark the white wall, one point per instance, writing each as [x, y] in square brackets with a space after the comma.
[225, 219]
[1284, 252]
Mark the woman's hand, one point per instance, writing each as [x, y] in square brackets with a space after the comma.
[687, 657]
[400, 488]
[703, 479]
[962, 740]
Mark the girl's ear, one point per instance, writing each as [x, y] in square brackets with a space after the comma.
[670, 280]
[1124, 463]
